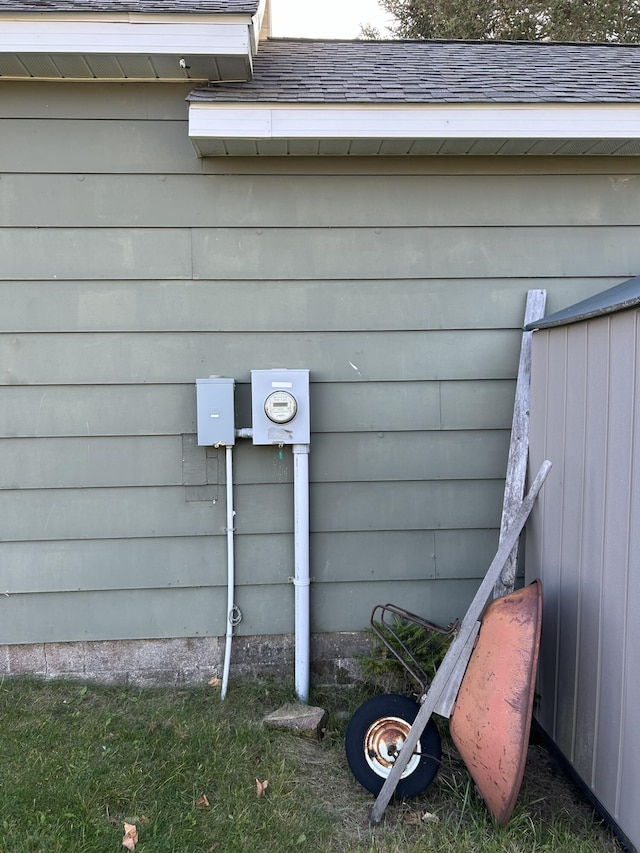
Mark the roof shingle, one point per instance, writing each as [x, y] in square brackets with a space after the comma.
[222, 7]
[302, 71]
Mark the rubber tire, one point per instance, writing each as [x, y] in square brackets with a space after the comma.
[373, 710]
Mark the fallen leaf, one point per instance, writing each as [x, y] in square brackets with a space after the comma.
[130, 836]
[202, 801]
[261, 787]
[411, 818]
[214, 681]
[213, 847]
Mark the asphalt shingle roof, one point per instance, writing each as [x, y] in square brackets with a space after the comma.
[302, 71]
[222, 7]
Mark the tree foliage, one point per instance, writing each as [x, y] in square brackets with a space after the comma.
[537, 20]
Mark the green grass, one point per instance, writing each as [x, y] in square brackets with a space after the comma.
[78, 761]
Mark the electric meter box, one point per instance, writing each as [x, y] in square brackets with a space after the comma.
[280, 406]
[216, 419]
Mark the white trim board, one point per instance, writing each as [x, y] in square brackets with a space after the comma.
[219, 128]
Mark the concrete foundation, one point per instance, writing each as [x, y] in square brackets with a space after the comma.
[184, 661]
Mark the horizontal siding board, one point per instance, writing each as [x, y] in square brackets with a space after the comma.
[81, 410]
[406, 506]
[154, 563]
[105, 513]
[200, 306]
[382, 555]
[43, 358]
[415, 252]
[55, 463]
[69, 100]
[410, 456]
[130, 146]
[90, 462]
[347, 607]
[317, 201]
[72, 410]
[320, 253]
[96, 253]
[52, 514]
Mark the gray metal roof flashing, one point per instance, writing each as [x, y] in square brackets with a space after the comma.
[619, 298]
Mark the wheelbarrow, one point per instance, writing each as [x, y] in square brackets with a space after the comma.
[484, 686]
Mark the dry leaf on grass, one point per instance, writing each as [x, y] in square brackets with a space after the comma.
[130, 836]
[202, 801]
[261, 787]
[214, 681]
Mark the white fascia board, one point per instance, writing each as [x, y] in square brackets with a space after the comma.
[420, 121]
[109, 37]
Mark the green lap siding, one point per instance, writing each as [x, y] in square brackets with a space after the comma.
[129, 268]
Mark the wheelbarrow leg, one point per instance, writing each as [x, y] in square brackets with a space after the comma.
[456, 649]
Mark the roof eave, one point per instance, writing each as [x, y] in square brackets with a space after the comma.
[122, 47]
[271, 129]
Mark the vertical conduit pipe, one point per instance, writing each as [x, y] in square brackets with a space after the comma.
[231, 608]
[301, 562]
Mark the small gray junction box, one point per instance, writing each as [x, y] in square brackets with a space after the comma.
[216, 418]
[280, 406]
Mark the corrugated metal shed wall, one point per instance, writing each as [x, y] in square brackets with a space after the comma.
[584, 542]
[130, 267]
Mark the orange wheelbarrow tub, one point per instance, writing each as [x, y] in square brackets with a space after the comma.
[491, 717]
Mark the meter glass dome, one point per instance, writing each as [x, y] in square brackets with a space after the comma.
[280, 407]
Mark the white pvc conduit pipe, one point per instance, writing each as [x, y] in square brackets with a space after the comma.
[301, 579]
[233, 614]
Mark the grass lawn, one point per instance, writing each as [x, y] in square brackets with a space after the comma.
[78, 761]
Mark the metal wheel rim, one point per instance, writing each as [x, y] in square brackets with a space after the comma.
[383, 741]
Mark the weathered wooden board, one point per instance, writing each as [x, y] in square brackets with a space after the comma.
[519, 443]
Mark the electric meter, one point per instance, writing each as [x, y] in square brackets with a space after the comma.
[280, 407]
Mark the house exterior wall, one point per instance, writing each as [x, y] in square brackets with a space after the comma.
[584, 542]
[130, 268]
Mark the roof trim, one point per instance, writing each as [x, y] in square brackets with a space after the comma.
[271, 128]
[618, 298]
[129, 46]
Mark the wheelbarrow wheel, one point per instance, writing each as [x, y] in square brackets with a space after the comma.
[375, 735]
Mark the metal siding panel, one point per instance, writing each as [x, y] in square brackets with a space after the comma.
[44, 358]
[240, 253]
[76, 146]
[552, 518]
[629, 784]
[592, 577]
[573, 462]
[621, 359]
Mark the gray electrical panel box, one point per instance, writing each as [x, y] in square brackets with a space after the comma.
[216, 419]
[280, 406]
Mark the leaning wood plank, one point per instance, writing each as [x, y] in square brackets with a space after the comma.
[448, 665]
[519, 446]
[447, 699]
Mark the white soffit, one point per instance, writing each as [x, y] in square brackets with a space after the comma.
[219, 129]
[176, 47]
